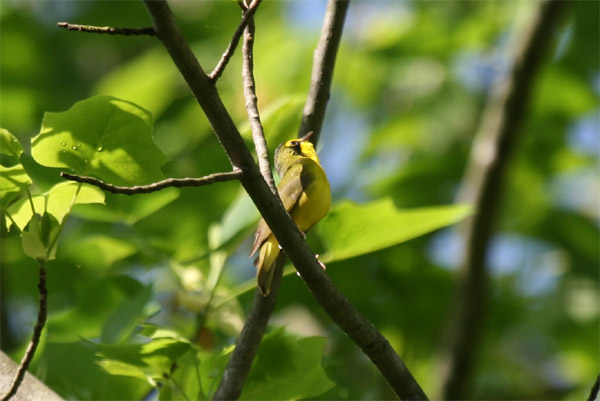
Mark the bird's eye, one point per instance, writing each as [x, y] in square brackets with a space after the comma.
[294, 143]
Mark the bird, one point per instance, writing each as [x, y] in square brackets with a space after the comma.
[306, 195]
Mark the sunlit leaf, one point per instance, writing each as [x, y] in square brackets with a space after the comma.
[101, 136]
[13, 182]
[58, 201]
[9, 144]
[350, 229]
[151, 361]
[32, 242]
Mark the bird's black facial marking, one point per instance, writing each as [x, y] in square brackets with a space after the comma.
[296, 147]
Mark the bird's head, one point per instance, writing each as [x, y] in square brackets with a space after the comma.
[292, 151]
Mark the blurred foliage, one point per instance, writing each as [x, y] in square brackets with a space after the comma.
[409, 88]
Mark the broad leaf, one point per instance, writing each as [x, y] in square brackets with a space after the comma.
[57, 202]
[151, 361]
[127, 316]
[100, 251]
[287, 368]
[13, 182]
[350, 229]
[40, 239]
[127, 208]
[240, 215]
[9, 144]
[104, 137]
[32, 241]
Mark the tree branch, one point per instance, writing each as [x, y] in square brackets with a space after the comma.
[107, 29]
[323, 66]
[157, 186]
[249, 340]
[35, 338]
[247, 16]
[483, 181]
[286, 231]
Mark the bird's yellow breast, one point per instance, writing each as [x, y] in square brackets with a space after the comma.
[315, 200]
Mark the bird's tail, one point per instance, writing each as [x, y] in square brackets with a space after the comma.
[265, 264]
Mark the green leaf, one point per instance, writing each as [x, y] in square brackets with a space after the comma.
[100, 251]
[101, 136]
[40, 239]
[57, 202]
[127, 316]
[63, 195]
[32, 241]
[240, 215]
[350, 229]
[21, 212]
[127, 208]
[185, 381]
[151, 361]
[287, 368]
[13, 182]
[9, 144]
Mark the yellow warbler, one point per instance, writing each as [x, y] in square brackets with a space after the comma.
[306, 195]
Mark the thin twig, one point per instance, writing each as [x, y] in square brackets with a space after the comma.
[157, 186]
[258, 134]
[247, 16]
[35, 338]
[483, 185]
[108, 30]
[322, 72]
[249, 340]
[373, 344]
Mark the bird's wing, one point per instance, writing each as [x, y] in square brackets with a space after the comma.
[290, 189]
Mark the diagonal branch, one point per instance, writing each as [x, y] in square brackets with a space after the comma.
[323, 66]
[373, 344]
[247, 17]
[247, 344]
[157, 186]
[107, 29]
[490, 157]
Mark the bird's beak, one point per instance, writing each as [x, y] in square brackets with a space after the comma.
[307, 136]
